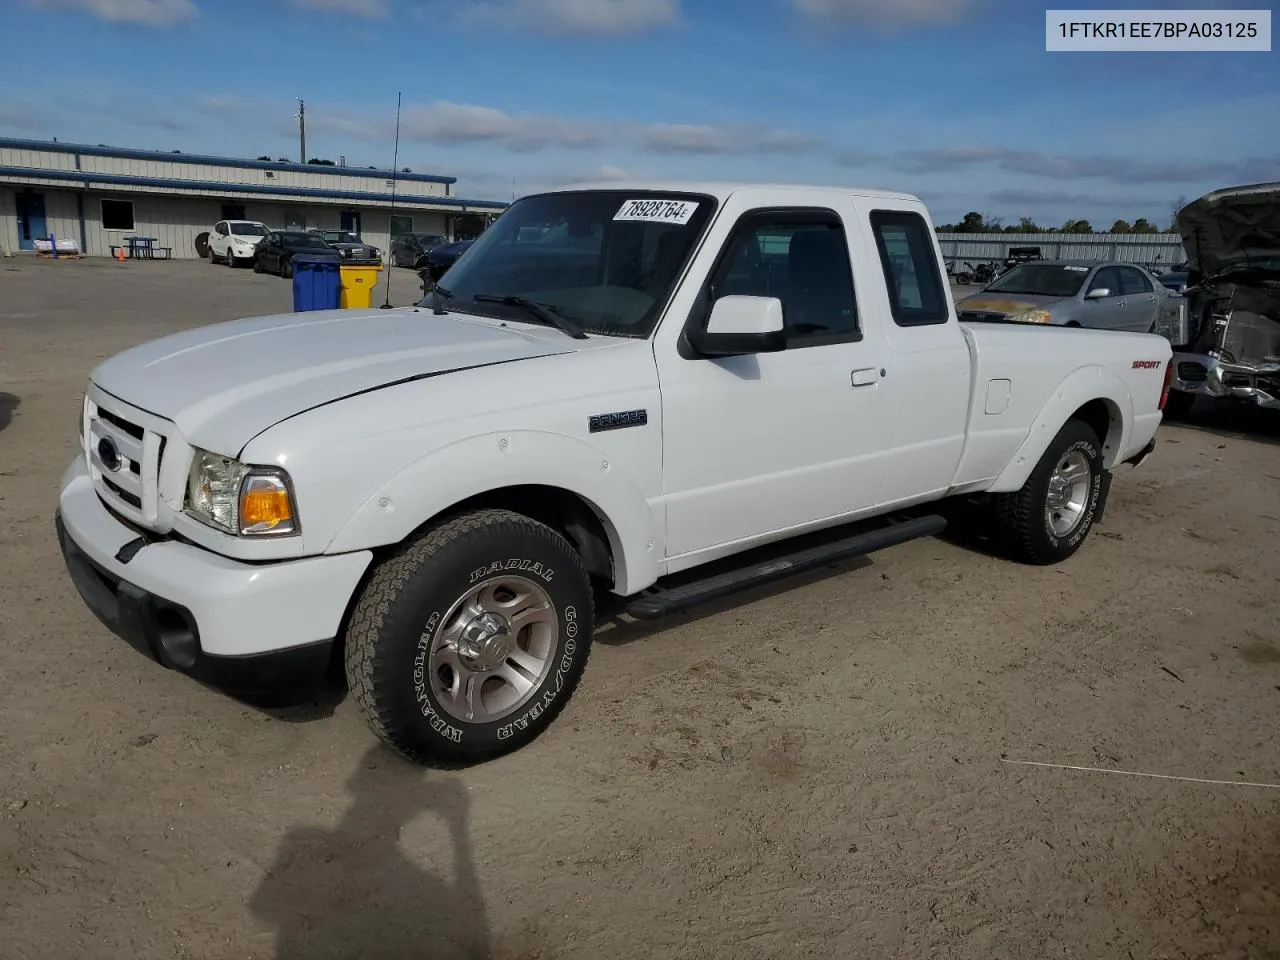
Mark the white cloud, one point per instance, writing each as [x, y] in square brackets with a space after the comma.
[582, 18]
[370, 9]
[462, 124]
[703, 139]
[886, 12]
[152, 13]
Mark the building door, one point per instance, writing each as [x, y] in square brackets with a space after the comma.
[349, 220]
[31, 221]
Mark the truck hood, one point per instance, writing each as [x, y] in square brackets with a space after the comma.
[1227, 228]
[226, 383]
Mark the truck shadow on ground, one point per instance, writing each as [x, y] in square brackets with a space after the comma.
[8, 403]
[352, 890]
[1234, 421]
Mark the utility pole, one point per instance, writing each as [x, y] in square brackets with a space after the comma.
[302, 131]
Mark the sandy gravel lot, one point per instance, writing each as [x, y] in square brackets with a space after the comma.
[811, 771]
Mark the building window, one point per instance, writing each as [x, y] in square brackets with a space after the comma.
[117, 214]
[233, 211]
[400, 226]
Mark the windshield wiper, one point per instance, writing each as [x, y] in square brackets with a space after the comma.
[548, 314]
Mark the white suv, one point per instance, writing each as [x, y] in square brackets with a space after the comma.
[233, 241]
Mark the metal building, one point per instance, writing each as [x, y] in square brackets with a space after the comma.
[97, 195]
[1164, 249]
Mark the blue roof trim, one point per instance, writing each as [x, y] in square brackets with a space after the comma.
[123, 153]
[80, 179]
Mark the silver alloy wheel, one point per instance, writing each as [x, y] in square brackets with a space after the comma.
[1068, 493]
[493, 649]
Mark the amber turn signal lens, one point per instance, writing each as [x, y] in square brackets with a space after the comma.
[265, 506]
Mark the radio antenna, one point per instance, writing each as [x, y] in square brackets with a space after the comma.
[395, 168]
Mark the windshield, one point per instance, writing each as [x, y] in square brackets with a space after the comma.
[304, 240]
[1041, 279]
[248, 229]
[430, 239]
[340, 236]
[604, 259]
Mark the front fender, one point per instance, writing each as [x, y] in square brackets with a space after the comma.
[1084, 384]
[480, 464]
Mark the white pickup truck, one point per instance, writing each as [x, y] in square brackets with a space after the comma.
[613, 385]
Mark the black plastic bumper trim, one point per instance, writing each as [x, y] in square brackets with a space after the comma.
[168, 633]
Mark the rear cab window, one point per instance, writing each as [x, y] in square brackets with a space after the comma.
[917, 296]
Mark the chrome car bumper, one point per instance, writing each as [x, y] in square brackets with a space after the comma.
[1212, 377]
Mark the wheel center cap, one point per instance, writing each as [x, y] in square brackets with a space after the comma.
[486, 641]
[1058, 491]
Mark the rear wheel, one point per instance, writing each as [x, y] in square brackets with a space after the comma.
[1048, 519]
[469, 642]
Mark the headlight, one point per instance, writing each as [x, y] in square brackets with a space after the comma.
[1031, 316]
[240, 499]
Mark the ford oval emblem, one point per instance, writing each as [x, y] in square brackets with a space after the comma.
[108, 454]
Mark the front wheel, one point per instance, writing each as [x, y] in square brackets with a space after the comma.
[286, 270]
[467, 643]
[1048, 519]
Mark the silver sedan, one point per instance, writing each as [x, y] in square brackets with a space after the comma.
[1072, 293]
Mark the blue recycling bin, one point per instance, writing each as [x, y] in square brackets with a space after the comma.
[317, 284]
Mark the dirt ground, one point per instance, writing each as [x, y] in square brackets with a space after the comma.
[816, 770]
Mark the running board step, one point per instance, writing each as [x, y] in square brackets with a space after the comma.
[654, 606]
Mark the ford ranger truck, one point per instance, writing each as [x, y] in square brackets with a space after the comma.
[613, 385]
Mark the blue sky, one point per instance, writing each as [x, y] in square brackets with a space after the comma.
[955, 100]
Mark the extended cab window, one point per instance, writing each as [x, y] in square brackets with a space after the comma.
[905, 244]
[802, 259]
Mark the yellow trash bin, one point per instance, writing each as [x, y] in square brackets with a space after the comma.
[357, 286]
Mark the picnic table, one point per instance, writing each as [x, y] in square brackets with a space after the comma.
[142, 248]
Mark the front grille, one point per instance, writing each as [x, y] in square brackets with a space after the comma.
[127, 479]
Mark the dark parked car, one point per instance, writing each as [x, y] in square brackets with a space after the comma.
[439, 260]
[411, 249]
[275, 253]
[353, 249]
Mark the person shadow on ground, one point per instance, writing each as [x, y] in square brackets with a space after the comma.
[351, 892]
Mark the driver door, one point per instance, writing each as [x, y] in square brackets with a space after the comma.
[757, 446]
[1105, 313]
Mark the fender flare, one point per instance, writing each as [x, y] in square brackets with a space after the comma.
[477, 465]
[1081, 386]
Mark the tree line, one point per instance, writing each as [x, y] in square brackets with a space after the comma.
[974, 222]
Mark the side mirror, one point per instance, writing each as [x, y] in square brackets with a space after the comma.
[742, 325]
[1097, 293]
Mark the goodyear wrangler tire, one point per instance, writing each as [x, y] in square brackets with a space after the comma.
[1047, 520]
[468, 643]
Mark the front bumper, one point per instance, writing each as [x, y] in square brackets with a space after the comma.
[1211, 377]
[245, 627]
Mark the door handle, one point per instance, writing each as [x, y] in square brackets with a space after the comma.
[866, 376]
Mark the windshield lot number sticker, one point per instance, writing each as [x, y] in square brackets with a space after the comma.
[658, 211]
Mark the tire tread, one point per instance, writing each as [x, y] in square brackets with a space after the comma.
[364, 657]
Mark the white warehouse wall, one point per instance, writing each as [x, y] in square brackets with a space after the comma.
[175, 221]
